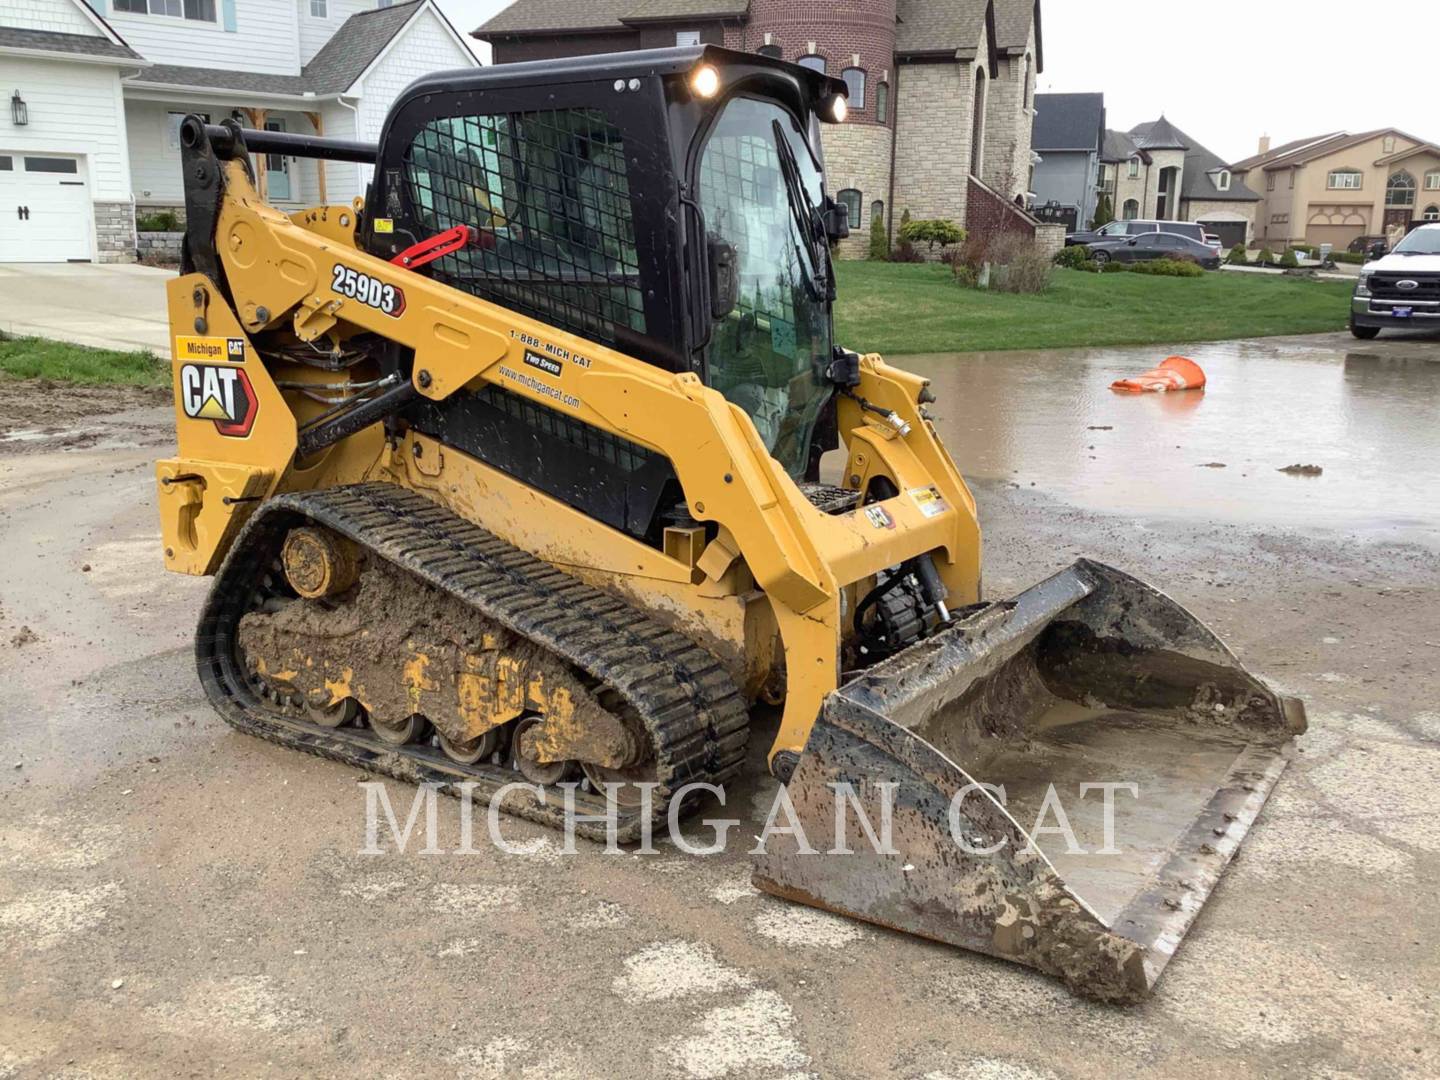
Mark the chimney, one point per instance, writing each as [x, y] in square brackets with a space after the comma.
[1264, 144]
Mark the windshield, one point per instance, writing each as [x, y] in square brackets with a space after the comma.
[767, 355]
[1420, 242]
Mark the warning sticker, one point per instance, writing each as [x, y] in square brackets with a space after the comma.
[929, 501]
[210, 348]
[384, 225]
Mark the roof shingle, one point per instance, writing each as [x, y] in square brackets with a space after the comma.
[15, 37]
[1068, 122]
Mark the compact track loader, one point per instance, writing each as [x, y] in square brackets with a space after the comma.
[512, 470]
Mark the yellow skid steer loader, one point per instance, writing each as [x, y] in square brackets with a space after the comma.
[512, 469]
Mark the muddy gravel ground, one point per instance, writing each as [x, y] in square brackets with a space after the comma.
[177, 899]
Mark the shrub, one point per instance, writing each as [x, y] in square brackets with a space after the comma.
[1167, 268]
[879, 242]
[904, 252]
[1075, 257]
[932, 231]
[160, 221]
[1103, 212]
[1113, 267]
[1237, 256]
[1029, 271]
[1288, 260]
[967, 277]
[1349, 257]
[1266, 257]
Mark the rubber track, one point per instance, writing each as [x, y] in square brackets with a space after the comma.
[695, 715]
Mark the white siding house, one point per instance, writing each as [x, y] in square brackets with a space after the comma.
[105, 85]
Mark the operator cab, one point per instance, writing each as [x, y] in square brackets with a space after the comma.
[669, 204]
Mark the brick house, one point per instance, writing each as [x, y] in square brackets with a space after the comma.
[1335, 188]
[941, 91]
[1155, 170]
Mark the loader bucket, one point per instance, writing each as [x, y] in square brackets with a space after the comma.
[1089, 677]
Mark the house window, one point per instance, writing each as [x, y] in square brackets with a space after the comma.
[1222, 180]
[772, 51]
[7, 163]
[1131, 210]
[1292, 179]
[1134, 170]
[196, 10]
[318, 10]
[851, 198]
[1107, 176]
[1344, 180]
[1432, 213]
[172, 127]
[1269, 181]
[51, 164]
[682, 37]
[1387, 145]
[1432, 180]
[877, 211]
[882, 103]
[855, 85]
[1400, 190]
[814, 63]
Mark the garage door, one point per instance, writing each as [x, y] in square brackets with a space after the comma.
[45, 212]
[1337, 235]
[1229, 232]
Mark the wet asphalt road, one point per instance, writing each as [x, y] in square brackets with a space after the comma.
[218, 881]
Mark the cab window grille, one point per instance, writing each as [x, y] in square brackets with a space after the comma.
[548, 194]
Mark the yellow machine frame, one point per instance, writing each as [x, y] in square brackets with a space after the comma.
[776, 565]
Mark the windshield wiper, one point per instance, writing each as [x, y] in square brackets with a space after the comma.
[803, 215]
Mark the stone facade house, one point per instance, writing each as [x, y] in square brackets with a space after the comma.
[1068, 142]
[941, 91]
[1155, 170]
[97, 92]
[1335, 188]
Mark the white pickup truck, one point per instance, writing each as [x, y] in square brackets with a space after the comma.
[1402, 289]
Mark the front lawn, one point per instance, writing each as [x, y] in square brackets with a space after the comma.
[897, 308]
[40, 358]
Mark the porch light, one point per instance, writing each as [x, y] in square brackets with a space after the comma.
[19, 112]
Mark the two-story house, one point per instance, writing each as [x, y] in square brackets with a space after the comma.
[96, 94]
[1068, 141]
[941, 92]
[1338, 187]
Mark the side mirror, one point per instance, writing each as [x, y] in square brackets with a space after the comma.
[724, 277]
[1133, 241]
[837, 220]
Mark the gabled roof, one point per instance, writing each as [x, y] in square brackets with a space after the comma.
[946, 29]
[336, 68]
[1312, 149]
[560, 16]
[1202, 166]
[88, 45]
[1119, 147]
[1281, 151]
[1069, 122]
[1396, 158]
[1158, 135]
[1013, 19]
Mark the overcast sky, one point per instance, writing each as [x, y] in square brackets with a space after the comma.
[1228, 71]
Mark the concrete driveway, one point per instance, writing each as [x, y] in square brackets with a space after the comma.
[177, 899]
[105, 306]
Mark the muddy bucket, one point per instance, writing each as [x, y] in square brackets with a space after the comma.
[1065, 776]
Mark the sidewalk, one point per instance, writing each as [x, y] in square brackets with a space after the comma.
[110, 306]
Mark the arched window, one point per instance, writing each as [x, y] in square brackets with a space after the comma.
[813, 62]
[851, 198]
[1400, 190]
[1134, 167]
[1432, 213]
[877, 211]
[1432, 180]
[855, 84]
[1222, 180]
[772, 51]
[882, 103]
[1131, 210]
[1028, 81]
[1345, 180]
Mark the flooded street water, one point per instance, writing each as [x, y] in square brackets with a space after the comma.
[1367, 413]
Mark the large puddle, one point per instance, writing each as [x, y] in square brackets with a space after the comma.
[1369, 416]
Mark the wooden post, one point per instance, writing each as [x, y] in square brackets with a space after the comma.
[257, 121]
[318, 123]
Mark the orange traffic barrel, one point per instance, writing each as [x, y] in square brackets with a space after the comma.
[1174, 373]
